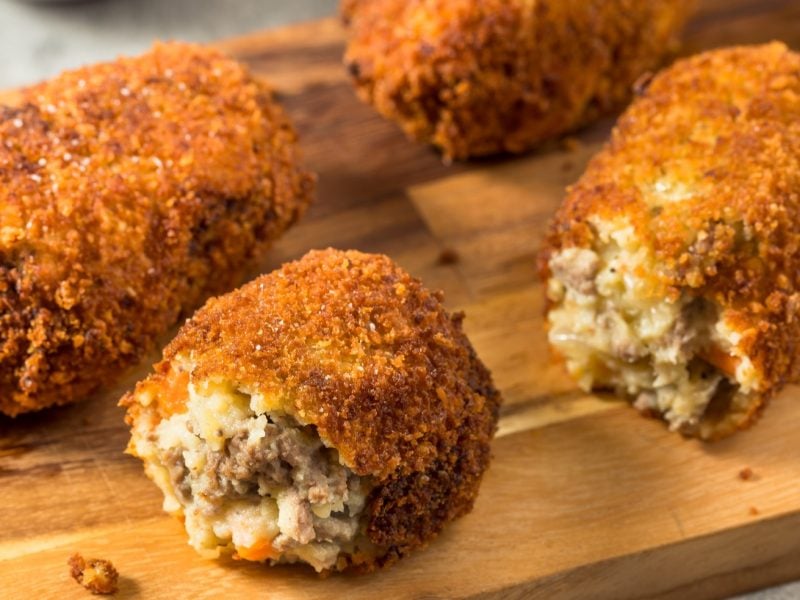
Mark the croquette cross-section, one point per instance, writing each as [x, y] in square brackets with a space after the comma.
[331, 412]
[129, 192]
[673, 266]
[482, 77]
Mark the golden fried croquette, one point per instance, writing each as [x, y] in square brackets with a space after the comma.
[673, 266]
[478, 78]
[331, 412]
[130, 192]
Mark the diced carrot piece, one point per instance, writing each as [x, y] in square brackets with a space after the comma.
[172, 399]
[717, 357]
[259, 551]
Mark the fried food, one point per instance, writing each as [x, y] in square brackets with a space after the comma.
[96, 574]
[129, 192]
[478, 78]
[673, 266]
[331, 412]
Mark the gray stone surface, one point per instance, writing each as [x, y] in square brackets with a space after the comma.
[786, 592]
[39, 39]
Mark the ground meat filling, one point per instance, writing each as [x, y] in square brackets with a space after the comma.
[318, 499]
[576, 268]
[612, 335]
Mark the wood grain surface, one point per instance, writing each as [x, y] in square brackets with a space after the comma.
[584, 499]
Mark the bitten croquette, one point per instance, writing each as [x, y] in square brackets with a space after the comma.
[479, 78]
[331, 412]
[673, 266]
[129, 192]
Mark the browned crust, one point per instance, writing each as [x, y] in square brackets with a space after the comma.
[477, 78]
[725, 124]
[129, 192]
[360, 349]
[95, 574]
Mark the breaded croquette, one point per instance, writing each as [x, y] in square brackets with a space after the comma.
[478, 78]
[331, 412]
[130, 192]
[673, 266]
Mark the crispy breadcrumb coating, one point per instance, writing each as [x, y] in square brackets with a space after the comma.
[352, 349]
[129, 192]
[95, 574]
[478, 78]
[693, 207]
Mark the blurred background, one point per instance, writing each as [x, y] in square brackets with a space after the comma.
[39, 39]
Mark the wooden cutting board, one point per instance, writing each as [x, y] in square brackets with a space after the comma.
[584, 499]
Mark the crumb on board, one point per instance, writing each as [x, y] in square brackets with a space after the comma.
[448, 256]
[746, 474]
[753, 511]
[95, 574]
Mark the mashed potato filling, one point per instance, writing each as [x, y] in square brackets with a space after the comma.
[252, 480]
[615, 329]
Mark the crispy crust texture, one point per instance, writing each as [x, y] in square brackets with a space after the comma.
[95, 574]
[478, 78]
[723, 129]
[350, 343]
[129, 192]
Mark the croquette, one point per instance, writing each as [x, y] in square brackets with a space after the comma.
[130, 192]
[673, 266]
[331, 412]
[501, 76]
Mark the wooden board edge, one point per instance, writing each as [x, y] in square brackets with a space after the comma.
[706, 567]
[328, 30]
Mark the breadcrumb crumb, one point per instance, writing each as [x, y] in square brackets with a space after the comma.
[747, 474]
[448, 256]
[97, 575]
